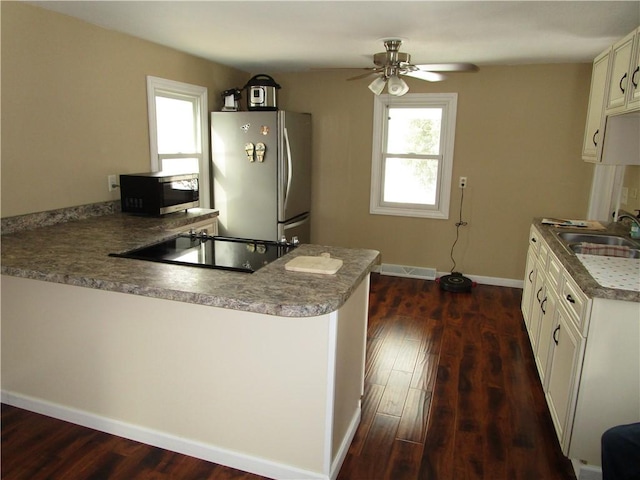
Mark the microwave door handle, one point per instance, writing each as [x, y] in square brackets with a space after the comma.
[289, 167]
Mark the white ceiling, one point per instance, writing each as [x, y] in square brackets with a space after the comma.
[275, 36]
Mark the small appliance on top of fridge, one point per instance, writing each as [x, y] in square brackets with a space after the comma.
[262, 174]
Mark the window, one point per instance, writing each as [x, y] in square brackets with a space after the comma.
[177, 137]
[413, 139]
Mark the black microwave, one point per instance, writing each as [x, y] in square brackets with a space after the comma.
[158, 193]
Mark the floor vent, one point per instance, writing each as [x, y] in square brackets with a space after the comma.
[407, 271]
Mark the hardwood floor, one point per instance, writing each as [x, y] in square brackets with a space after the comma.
[451, 393]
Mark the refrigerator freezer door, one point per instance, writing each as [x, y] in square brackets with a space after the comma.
[295, 165]
[245, 191]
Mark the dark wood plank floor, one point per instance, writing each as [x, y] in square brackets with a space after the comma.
[451, 394]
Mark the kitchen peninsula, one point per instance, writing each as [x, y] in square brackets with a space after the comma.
[262, 372]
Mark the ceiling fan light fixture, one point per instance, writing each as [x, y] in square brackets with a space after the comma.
[397, 86]
[377, 86]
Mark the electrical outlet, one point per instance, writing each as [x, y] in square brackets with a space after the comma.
[463, 182]
[624, 195]
[112, 183]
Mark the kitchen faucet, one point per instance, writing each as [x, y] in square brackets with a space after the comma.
[635, 229]
[630, 217]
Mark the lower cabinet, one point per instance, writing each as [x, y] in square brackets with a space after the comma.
[548, 324]
[566, 346]
[586, 350]
[209, 226]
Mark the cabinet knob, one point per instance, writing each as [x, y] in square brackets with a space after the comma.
[570, 299]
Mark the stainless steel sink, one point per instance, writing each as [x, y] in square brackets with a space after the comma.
[601, 239]
[579, 248]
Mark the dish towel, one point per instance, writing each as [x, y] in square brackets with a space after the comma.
[607, 250]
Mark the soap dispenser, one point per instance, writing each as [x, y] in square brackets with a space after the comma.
[635, 227]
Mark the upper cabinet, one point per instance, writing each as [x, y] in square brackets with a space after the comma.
[594, 131]
[614, 91]
[623, 87]
[633, 99]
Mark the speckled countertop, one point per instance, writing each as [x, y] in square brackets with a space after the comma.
[76, 252]
[575, 267]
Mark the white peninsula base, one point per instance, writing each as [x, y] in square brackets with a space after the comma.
[275, 396]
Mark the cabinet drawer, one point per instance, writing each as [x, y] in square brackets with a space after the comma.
[543, 254]
[575, 301]
[554, 272]
[534, 239]
[210, 225]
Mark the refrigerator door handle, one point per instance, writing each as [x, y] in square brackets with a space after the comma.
[289, 167]
[296, 224]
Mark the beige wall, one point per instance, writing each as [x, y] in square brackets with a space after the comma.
[74, 111]
[74, 106]
[518, 140]
[632, 184]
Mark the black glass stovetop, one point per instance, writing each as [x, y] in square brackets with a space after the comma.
[226, 253]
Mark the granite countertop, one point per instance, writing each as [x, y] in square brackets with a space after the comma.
[76, 252]
[578, 271]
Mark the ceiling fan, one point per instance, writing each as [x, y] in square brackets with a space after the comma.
[392, 64]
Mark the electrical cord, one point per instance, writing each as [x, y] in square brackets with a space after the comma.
[459, 223]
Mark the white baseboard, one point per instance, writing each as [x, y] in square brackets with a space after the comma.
[185, 446]
[426, 273]
[344, 446]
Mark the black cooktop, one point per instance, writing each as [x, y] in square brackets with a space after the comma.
[226, 253]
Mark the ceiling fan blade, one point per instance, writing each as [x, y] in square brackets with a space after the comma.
[428, 76]
[449, 67]
[372, 71]
[331, 69]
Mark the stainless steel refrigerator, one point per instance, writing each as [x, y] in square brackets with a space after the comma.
[262, 174]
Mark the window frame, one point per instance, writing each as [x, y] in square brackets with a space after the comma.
[157, 86]
[448, 102]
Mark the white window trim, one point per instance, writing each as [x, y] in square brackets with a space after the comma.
[449, 102]
[162, 85]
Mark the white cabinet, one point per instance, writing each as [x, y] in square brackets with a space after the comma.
[548, 323]
[614, 90]
[528, 304]
[594, 130]
[586, 350]
[633, 96]
[566, 347]
[619, 83]
[529, 286]
[557, 331]
[539, 299]
[208, 226]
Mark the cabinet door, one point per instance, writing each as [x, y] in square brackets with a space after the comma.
[620, 78]
[538, 304]
[563, 372]
[529, 284]
[633, 100]
[548, 323]
[594, 130]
